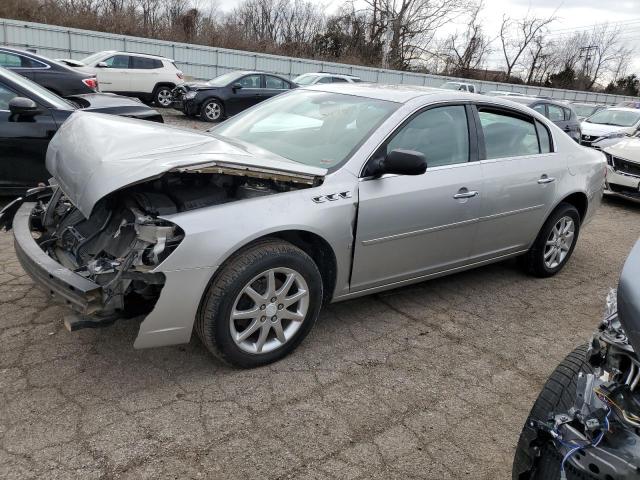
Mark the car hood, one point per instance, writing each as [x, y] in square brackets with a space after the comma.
[99, 101]
[629, 297]
[598, 130]
[93, 155]
[197, 86]
[627, 148]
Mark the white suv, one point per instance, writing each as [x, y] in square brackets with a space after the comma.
[307, 79]
[148, 77]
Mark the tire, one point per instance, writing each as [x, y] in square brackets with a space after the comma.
[558, 395]
[162, 96]
[220, 334]
[535, 260]
[212, 111]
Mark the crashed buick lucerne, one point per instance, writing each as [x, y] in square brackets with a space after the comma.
[320, 194]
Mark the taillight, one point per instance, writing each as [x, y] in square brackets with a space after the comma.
[180, 75]
[91, 83]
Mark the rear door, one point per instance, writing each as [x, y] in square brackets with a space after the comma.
[414, 226]
[115, 76]
[144, 73]
[273, 86]
[23, 145]
[520, 171]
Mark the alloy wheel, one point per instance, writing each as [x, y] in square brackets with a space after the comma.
[559, 242]
[212, 111]
[269, 310]
[164, 97]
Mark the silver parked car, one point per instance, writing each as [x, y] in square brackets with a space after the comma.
[320, 194]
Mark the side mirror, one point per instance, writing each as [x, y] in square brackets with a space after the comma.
[102, 65]
[236, 86]
[23, 106]
[399, 162]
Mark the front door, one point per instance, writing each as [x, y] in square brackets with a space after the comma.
[247, 96]
[115, 77]
[413, 226]
[23, 145]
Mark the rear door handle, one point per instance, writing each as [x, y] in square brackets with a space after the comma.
[545, 179]
[468, 194]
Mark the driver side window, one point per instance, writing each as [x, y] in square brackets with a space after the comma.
[117, 61]
[6, 95]
[441, 134]
[250, 81]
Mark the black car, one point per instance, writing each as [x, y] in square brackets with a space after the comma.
[52, 75]
[30, 115]
[559, 113]
[227, 94]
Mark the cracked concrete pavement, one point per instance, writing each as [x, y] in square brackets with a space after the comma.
[428, 381]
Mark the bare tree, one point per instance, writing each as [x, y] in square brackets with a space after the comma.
[468, 50]
[517, 35]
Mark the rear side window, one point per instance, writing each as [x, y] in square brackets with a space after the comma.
[507, 135]
[118, 61]
[275, 83]
[144, 63]
[324, 80]
[545, 137]
[556, 113]
[339, 80]
[441, 134]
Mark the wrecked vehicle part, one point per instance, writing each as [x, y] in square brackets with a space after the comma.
[592, 429]
[112, 255]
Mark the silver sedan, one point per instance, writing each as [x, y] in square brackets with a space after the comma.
[318, 195]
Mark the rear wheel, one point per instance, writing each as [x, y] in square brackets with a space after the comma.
[555, 242]
[558, 395]
[162, 97]
[261, 305]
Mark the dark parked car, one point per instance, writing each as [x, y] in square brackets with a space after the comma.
[559, 113]
[52, 75]
[31, 114]
[227, 94]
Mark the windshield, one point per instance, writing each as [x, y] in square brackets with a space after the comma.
[92, 58]
[39, 92]
[305, 79]
[224, 79]
[618, 118]
[314, 128]
[584, 110]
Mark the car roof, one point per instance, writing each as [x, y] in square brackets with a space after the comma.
[529, 100]
[137, 54]
[328, 74]
[623, 109]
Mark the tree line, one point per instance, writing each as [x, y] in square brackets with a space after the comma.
[397, 34]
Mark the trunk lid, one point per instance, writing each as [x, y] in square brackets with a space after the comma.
[93, 155]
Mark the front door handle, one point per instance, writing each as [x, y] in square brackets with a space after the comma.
[545, 179]
[465, 194]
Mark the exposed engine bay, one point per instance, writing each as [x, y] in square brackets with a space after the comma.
[599, 436]
[126, 237]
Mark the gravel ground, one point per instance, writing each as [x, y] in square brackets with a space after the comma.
[428, 381]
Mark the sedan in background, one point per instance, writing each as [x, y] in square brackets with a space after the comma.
[585, 110]
[30, 116]
[227, 94]
[60, 79]
[616, 122]
[242, 233]
[559, 113]
[308, 79]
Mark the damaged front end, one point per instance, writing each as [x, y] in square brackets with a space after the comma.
[99, 266]
[595, 434]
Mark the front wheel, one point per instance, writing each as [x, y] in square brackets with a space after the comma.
[211, 111]
[555, 242]
[261, 305]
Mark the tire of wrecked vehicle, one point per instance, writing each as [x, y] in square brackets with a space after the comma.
[208, 109]
[534, 261]
[557, 396]
[212, 323]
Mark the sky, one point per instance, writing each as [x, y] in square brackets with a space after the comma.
[572, 15]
